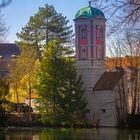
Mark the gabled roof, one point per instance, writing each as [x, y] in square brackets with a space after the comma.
[9, 49]
[108, 81]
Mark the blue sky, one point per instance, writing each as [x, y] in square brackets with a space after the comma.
[17, 14]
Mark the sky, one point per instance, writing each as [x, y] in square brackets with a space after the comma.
[18, 12]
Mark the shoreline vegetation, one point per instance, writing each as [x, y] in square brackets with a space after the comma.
[21, 121]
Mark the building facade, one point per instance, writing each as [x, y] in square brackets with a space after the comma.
[103, 90]
[90, 49]
[8, 52]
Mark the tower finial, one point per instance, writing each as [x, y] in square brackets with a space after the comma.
[89, 2]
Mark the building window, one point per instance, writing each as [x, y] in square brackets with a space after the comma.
[99, 31]
[99, 53]
[83, 54]
[128, 90]
[83, 33]
[13, 56]
[103, 110]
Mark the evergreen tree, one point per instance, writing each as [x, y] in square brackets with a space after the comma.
[44, 26]
[71, 99]
[60, 90]
[50, 79]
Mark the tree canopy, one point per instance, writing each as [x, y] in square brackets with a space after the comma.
[46, 25]
[60, 90]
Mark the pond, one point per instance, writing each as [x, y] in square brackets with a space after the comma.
[69, 134]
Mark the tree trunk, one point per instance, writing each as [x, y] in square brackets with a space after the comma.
[17, 98]
[30, 93]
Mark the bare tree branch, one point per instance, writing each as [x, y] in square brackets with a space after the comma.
[122, 14]
[4, 3]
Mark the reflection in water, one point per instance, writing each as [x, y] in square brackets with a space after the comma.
[70, 134]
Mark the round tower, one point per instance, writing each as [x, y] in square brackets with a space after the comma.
[90, 47]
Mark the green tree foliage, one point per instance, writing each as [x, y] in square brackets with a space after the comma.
[60, 90]
[44, 26]
[28, 80]
[71, 98]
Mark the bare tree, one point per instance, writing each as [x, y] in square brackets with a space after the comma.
[121, 102]
[123, 14]
[4, 3]
[3, 28]
[131, 49]
[126, 53]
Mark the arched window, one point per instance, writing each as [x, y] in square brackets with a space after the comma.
[83, 54]
[99, 31]
[99, 52]
[83, 34]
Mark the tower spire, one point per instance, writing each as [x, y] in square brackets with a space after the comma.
[89, 2]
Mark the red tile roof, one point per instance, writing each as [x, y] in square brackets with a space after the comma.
[122, 62]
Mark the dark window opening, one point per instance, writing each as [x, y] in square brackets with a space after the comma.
[99, 31]
[83, 54]
[103, 110]
[99, 53]
[83, 33]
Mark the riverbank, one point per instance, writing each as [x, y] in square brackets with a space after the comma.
[22, 120]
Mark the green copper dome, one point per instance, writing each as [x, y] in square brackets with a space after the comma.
[89, 12]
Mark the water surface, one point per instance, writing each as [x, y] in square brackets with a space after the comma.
[69, 134]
